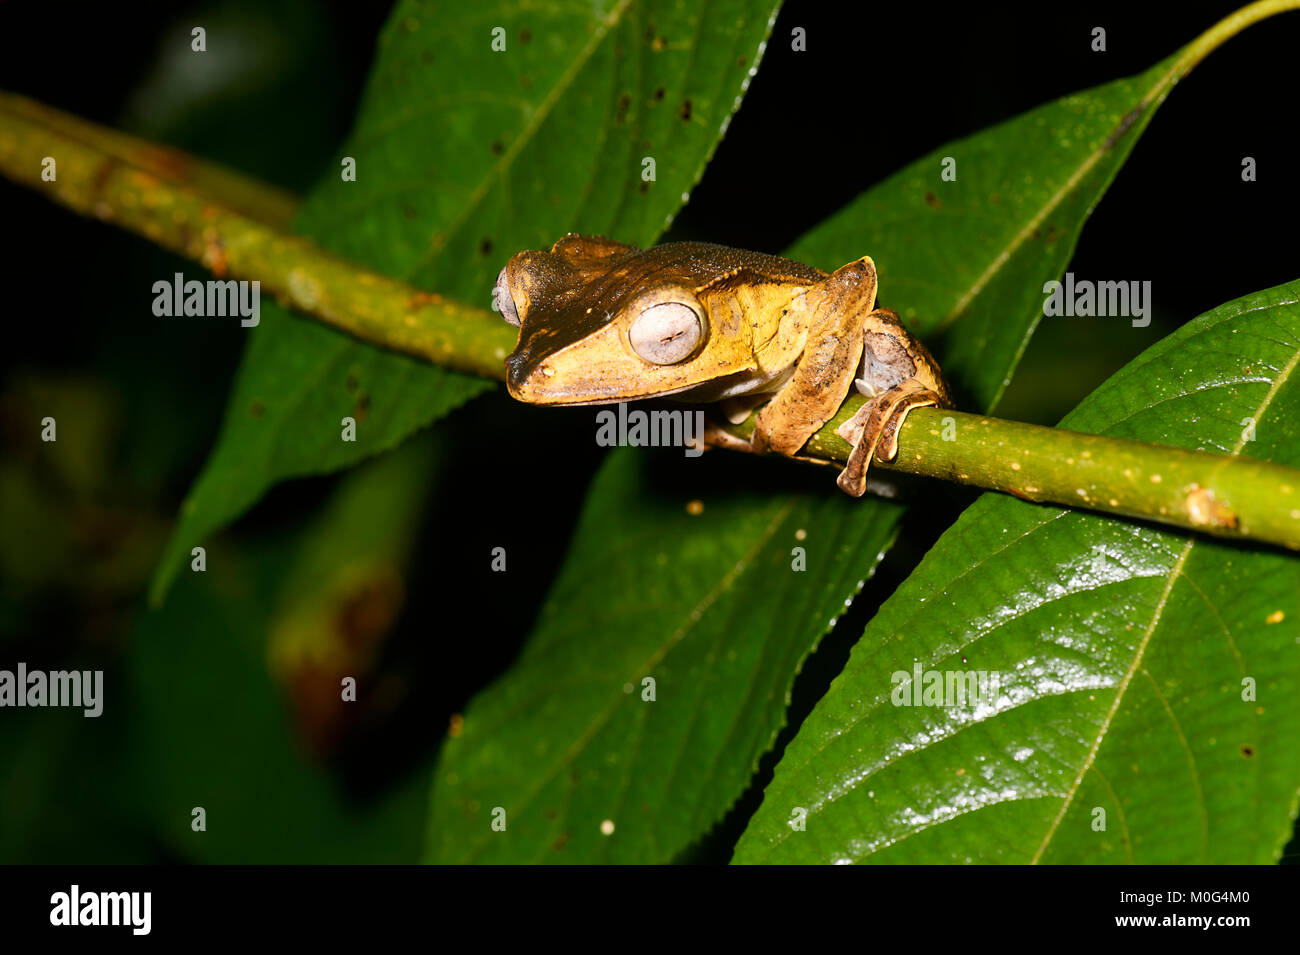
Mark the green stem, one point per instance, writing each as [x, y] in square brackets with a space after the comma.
[1224, 30]
[235, 227]
[189, 208]
[1222, 495]
[266, 204]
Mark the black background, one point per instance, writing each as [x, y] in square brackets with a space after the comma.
[879, 85]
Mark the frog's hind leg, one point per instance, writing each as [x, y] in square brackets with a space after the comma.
[888, 380]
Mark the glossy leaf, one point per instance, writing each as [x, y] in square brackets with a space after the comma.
[714, 612]
[1146, 681]
[465, 154]
[971, 254]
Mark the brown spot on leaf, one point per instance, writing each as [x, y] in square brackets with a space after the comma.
[624, 102]
[485, 247]
[686, 111]
[741, 61]
[559, 843]
[426, 56]
[643, 188]
[408, 211]
[658, 93]
[312, 690]
[525, 36]
[1129, 119]
[257, 409]
[497, 148]
[1247, 752]
[362, 408]
[659, 44]
[367, 613]
[932, 200]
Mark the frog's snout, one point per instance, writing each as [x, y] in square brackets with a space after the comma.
[525, 379]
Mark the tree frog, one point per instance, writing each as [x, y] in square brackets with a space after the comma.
[602, 322]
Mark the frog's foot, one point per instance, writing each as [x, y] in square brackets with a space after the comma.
[873, 431]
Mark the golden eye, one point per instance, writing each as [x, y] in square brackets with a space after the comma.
[503, 302]
[667, 333]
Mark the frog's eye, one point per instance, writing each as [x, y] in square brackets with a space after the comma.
[665, 333]
[503, 302]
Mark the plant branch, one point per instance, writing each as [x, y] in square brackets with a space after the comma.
[267, 204]
[1218, 494]
[193, 209]
[189, 207]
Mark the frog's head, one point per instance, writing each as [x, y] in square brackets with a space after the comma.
[601, 322]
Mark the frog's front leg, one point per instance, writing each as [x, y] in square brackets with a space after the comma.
[834, 313]
[852, 342]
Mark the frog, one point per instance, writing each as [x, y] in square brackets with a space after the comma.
[603, 322]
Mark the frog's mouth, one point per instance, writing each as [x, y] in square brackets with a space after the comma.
[542, 384]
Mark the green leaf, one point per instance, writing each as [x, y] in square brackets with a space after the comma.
[971, 255]
[1143, 673]
[465, 155]
[711, 608]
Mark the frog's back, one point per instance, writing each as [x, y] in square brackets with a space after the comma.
[696, 264]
